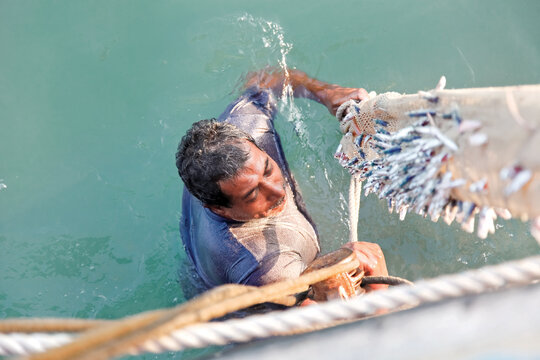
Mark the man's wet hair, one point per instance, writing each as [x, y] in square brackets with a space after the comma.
[211, 152]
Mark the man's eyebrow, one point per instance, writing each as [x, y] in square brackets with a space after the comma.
[266, 165]
[249, 193]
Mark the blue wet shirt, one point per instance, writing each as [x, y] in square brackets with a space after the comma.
[259, 251]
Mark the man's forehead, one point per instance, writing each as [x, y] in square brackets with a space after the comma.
[253, 150]
[255, 164]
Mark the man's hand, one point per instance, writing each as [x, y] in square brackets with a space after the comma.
[371, 260]
[333, 96]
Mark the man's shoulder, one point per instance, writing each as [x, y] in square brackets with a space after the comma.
[253, 101]
[215, 251]
[200, 219]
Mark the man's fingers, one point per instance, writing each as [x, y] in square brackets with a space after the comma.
[370, 256]
[362, 94]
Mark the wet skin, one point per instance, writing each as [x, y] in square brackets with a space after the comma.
[257, 190]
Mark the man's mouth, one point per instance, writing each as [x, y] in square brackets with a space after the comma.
[278, 203]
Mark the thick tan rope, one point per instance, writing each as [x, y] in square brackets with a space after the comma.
[36, 325]
[116, 338]
[301, 319]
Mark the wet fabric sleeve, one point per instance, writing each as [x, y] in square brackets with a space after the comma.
[278, 267]
[254, 112]
[214, 251]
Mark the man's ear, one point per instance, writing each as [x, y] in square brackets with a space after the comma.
[216, 209]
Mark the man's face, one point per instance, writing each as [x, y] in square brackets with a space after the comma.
[257, 190]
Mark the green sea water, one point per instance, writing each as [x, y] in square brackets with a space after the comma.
[95, 95]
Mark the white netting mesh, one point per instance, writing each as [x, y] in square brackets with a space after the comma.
[487, 139]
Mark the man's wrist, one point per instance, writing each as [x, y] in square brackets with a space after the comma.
[314, 89]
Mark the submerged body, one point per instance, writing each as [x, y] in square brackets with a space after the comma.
[261, 250]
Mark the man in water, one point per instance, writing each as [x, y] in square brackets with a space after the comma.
[243, 218]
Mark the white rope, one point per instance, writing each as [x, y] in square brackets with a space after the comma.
[307, 318]
[355, 191]
[24, 344]
[355, 186]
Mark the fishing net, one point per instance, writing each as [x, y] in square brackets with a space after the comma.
[450, 153]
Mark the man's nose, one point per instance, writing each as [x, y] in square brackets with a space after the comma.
[274, 189]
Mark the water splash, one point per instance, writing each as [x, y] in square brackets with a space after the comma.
[273, 38]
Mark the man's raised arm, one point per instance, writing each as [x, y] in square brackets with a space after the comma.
[330, 95]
